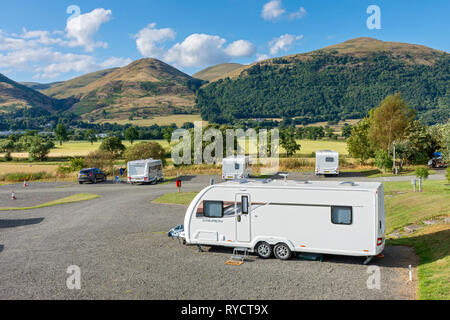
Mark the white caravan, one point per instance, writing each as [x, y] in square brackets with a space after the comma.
[238, 167]
[282, 217]
[327, 162]
[145, 171]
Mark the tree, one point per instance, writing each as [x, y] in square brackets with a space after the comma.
[131, 134]
[145, 150]
[442, 135]
[389, 122]
[421, 173]
[7, 146]
[61, 134]
[346, 130]
[113, 145]
[91, 136]
[383, 160]
[358, 143]
[100, 159]
[37, 147]
[288, 142]
[447, 174]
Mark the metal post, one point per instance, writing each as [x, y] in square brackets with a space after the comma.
[395, 167]
[420, 185]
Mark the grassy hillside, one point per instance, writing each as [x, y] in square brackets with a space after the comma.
[15, 96]
[145, 88]
[217, 71]
[339, 82]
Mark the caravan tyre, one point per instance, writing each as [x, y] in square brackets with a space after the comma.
[282, 251]
[264, 250]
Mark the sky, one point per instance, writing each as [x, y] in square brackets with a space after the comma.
[56, 40]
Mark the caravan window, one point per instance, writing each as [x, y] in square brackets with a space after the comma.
[341, 215]
[329, 159]
[236, 166]
[213, 209]
[244, 205]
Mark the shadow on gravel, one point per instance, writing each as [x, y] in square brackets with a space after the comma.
[394, 257]
[19, 222]
[1, 247]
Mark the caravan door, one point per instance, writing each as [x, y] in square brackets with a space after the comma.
[243, 220]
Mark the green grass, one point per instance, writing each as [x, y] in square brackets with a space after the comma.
[183, 198]
[404, 207]
[73, 198]
[432, 245]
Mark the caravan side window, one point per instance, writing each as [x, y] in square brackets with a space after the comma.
[244, 205]
[341, 215]
[213, 209]
[329, 159]
[236, 166]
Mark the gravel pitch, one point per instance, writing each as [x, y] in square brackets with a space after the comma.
[120, 243]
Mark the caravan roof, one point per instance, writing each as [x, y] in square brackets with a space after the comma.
[302, 184]
[145, 161]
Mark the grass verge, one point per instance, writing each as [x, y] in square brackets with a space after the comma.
[73, 198]
[404, 207]
[432, 245]
[183, 198]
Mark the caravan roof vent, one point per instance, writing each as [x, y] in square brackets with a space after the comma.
[350, 183]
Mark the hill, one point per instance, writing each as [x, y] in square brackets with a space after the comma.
[144, 88]
[217, 71]
[40, 86]
[338, 82]
[14, 96]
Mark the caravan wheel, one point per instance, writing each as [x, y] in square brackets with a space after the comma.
[264, 250]
[282, 251]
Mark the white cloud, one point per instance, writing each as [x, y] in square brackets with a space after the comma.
[283, 43]
[298, 14]
[240, 48]
[81, 29]
[272, 10]
[196, 50]
[148, 39]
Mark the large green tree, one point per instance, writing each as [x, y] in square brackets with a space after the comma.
[358, 144]
[389, 122]
[145, 150]
[131, 134]
[61, 134]
[113, 145]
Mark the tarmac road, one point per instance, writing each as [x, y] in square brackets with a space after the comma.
[120, 243]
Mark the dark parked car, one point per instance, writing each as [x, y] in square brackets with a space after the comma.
[93, 175]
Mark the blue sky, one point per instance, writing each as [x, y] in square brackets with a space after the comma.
[39, 43]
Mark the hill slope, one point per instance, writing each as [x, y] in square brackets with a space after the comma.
[339, 82]
[143, 88]
[15, 96]
[217, 71]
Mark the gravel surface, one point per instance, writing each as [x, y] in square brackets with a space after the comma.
[120, 243]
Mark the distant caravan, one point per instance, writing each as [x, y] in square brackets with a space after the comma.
[327, 162]
[237, 167]
[283, 217]
[145, 171]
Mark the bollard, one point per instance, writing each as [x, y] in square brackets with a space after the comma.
[25, 184]
[178, 183]
[420, 185]
[413, 182]
[211, 182]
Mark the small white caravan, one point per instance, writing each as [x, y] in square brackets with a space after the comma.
[145, 171]
[327, 162]
[237, 167]
[282, 217]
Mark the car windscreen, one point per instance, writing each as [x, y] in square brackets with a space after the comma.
[137, 170]
[85, 171]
